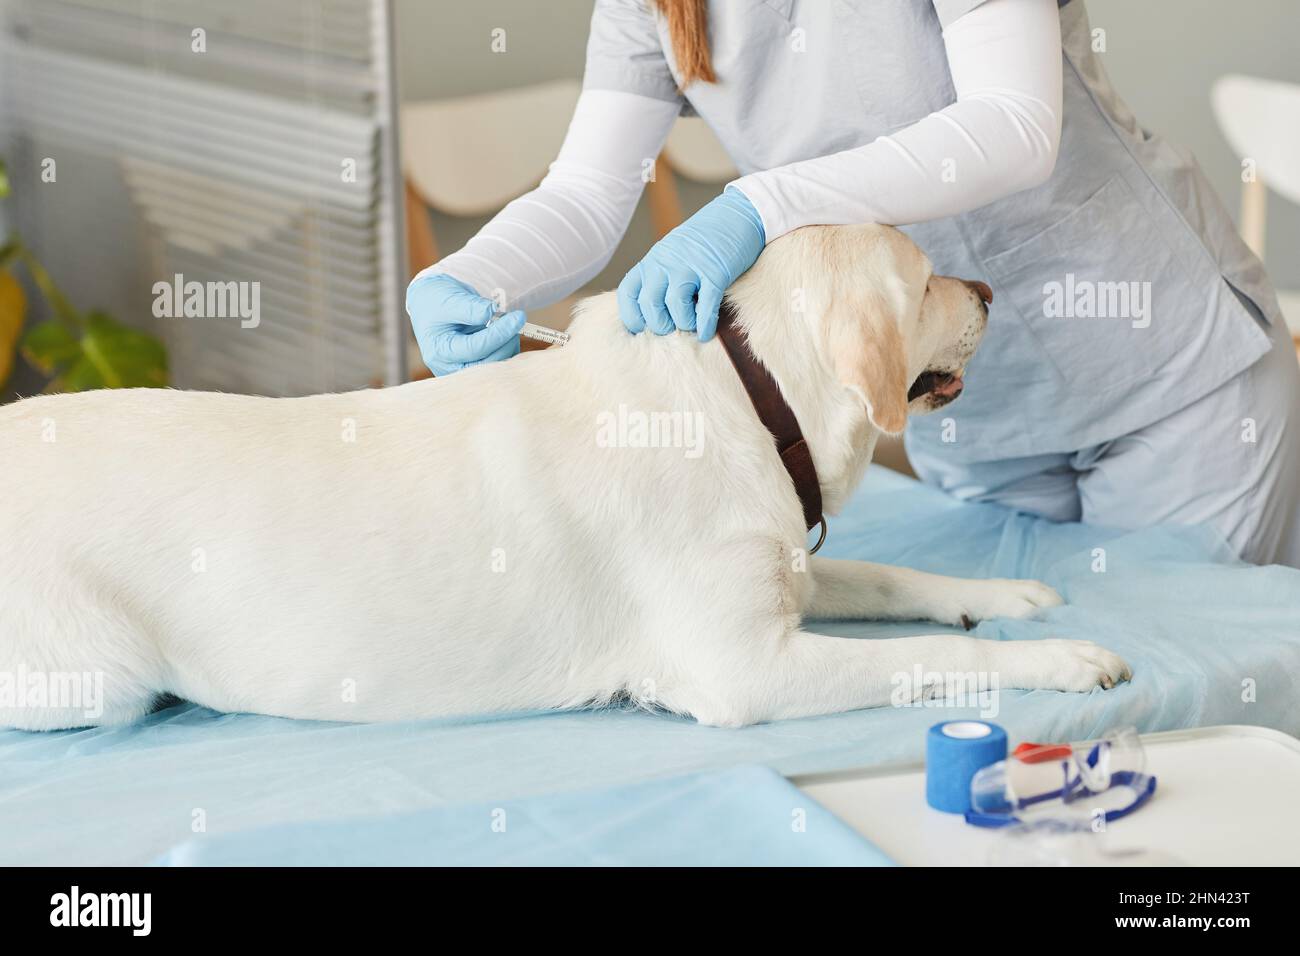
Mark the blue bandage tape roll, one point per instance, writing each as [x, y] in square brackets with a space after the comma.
[954, 751]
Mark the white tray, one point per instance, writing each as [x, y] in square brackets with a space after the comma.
[1225, 796]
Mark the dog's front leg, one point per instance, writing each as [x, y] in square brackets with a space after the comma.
[812, 674]
[861, 590]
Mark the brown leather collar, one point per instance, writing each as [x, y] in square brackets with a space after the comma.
[776, 415]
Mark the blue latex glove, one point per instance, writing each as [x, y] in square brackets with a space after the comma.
[451, 325]
[680, 282]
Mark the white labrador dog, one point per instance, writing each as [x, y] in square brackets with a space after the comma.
[604, 520]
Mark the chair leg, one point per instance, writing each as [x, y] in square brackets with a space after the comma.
[665, 204]
[1254, 202]
[422, 247]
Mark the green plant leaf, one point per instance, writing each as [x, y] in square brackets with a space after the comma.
[81, 376]
[4, 180]
[107, 355]
[79, 352]
[50, 347]
[124, 357]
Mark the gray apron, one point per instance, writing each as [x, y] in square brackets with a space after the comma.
[1119, 282]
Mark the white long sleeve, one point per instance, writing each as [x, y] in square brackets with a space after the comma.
[1000, 135]
[553, 240]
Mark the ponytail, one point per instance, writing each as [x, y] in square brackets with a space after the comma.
[688, 30]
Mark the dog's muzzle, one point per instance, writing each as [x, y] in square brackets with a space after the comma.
[942, 385]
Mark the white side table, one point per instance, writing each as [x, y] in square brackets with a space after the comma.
[1225, 796]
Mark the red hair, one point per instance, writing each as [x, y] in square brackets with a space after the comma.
[688, 30]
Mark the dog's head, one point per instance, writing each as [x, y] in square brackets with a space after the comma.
[891, 330]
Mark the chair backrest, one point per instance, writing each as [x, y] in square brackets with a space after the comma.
[1261, 120]
[444, 159]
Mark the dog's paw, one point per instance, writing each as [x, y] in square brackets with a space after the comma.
[1057, 664]
[1003, 597]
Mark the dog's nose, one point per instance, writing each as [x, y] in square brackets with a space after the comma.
[981, 289]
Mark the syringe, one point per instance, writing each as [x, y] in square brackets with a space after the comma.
[540, 333]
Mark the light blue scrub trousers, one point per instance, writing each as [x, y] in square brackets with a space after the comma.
[1231, 459]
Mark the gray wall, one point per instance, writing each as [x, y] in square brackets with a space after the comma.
[443, 45]
[1162, 54]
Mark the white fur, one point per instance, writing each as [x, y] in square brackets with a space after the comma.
[475, 549]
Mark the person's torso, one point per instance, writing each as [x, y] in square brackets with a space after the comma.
[1113, 280]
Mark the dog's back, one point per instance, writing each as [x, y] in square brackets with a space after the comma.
[444, 547]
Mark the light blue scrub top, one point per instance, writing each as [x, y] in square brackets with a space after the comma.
[1123, 205]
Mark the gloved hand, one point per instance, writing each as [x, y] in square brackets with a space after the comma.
[451, 325]
[680, 282]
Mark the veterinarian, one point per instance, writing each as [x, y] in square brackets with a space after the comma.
[1136, 368]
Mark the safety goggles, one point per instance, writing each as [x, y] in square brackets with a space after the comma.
[1097, 782]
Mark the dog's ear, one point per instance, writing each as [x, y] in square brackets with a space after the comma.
[865, 346]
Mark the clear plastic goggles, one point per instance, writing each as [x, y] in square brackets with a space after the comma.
[1090, 783]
